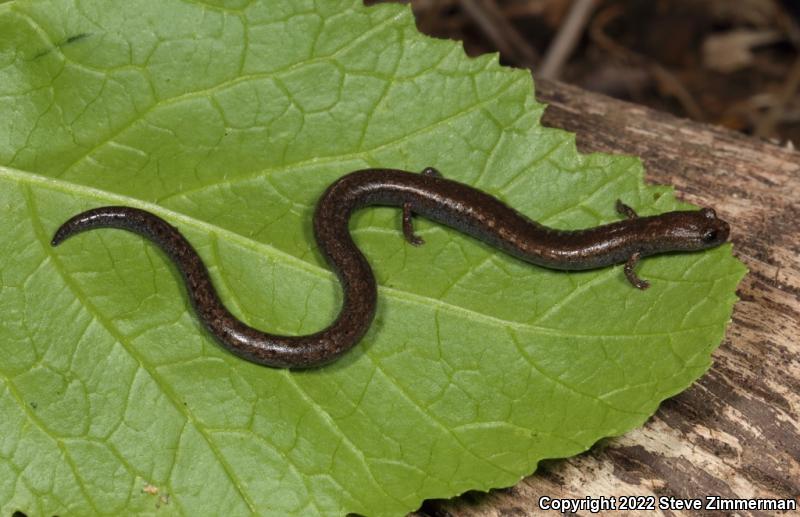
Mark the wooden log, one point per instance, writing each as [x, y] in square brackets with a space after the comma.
[736, 432]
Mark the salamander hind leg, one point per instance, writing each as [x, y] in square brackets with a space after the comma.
[430, 171]
[625, 210]
[630, 272]
[408, 227]
[408, 224]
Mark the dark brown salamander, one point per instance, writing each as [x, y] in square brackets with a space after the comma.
[451, 203]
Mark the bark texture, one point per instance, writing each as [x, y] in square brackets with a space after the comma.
[736, 431]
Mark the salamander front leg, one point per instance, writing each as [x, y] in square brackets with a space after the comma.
[630, 272]
[408, 225]
[625, 210]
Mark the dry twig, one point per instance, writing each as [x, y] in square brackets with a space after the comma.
[566, 39]
[511, 44]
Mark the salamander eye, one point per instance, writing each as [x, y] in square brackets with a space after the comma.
[710, 236]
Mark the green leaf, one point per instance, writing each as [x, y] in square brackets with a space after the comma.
[229, 118]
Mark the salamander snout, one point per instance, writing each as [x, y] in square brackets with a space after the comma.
[715, 230]
[705, 230]
[687, 231]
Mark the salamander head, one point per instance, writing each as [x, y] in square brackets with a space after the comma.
[716, 231]
[690, 231]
